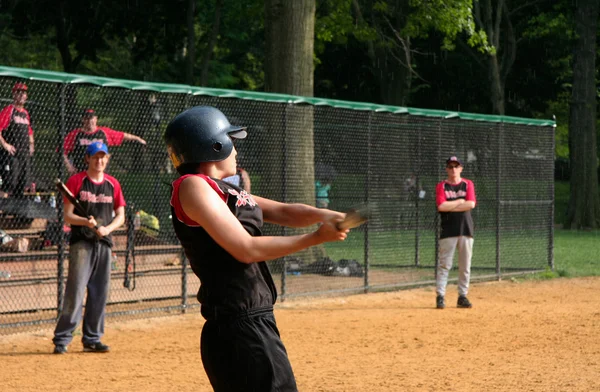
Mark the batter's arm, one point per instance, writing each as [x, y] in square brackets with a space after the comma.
[204, 206]
[295, 214]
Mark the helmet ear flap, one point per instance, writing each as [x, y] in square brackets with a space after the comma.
[217, 146]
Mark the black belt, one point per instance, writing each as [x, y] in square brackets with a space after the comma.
[215, 313]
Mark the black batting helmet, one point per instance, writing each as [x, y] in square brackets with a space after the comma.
[201, 134]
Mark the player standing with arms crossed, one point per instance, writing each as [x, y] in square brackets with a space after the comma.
[455, 198]
[90, 251]
[219, 227]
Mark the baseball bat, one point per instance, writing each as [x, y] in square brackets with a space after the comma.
[67, 193]
[355, 217]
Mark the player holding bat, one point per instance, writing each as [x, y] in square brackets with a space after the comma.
[100, 195]
[219, 226]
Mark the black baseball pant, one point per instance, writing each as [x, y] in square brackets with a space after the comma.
[245, 354]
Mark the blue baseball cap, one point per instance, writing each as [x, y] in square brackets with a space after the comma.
[95, 148]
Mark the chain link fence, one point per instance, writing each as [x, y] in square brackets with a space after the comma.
[321, 152]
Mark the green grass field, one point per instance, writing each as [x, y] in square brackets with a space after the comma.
[576, 253]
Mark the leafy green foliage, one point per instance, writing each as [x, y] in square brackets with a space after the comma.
[451, 18]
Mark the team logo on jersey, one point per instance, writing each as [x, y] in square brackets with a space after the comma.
[243, 198]
[21, 119]
[91, 198]
[87, 142]
[452, 195]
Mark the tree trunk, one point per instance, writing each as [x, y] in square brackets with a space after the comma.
[584, 204]
[289, 69]
[290, 28]
[62, 40]
[212, 42]
[494, 18]
[496, 86]
[191, 43]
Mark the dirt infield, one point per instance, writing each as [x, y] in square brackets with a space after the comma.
[528, 336]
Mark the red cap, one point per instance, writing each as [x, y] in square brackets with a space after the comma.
[19, 87]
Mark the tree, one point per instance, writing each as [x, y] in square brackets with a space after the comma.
[289, 28]
[289, 69]
[212, 41]
[584, 203]
[191, 42]
[386, 31]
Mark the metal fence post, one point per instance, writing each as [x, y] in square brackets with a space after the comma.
[184, 295]
[498, 196]
[552, 208]
[417, 197]
[436, 222]
[367, 186]
[60, 257]
[285, 199]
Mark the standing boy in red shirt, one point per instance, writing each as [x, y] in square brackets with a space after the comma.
[455, 198]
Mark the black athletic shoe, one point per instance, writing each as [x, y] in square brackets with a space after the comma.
[439, 302]
[60, 349]
[95, 348]
[463, 302]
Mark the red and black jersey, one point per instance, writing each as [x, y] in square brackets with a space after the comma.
[77, 141]
[100, 199]
[15, 126]
[455, 224]
[226, 284]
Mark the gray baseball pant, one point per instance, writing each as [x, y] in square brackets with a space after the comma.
[89, 267]
[446, 256]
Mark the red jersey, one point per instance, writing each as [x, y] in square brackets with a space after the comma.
[455, 224]
[77, 141]
[15, 127]
[100, 199]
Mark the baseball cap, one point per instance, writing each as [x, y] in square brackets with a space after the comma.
[95, 148]
[19, 87]
[88, 113]
[454, 159]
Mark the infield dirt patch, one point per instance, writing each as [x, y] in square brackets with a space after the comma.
[527, 336]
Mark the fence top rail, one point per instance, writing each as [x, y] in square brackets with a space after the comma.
[63, 77]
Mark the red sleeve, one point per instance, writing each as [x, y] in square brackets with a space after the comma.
[176, 204]
[118, 198]
[440, 194]
[113, 138]
[74, 185]
[470, 191]
[69, 143]
[5, 117]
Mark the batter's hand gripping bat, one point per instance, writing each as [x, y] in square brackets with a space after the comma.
[355, 217]
[67, 193]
